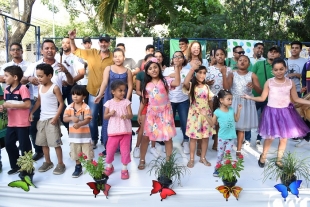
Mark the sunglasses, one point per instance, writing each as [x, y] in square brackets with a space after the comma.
[178, 57]
[241, 52]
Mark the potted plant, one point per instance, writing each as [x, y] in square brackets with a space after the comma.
[292, 167]
[167, 171]
[93, 167]
[96, 171]
[25, 163]
[230, 169]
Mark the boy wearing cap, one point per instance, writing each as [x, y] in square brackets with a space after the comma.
[86, 43]
[97, 61]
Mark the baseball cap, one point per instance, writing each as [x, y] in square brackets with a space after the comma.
[86, 39]
[104, 37]
[276, 48]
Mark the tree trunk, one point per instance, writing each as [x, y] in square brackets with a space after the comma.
[125, 16]
[22, 28]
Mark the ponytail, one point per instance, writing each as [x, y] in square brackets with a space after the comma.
[216, 103]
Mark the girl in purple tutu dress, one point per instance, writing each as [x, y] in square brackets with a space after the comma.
[279, 118]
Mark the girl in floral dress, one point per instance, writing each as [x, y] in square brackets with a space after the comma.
[198, 127]
[159, 122]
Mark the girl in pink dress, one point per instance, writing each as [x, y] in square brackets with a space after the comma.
[279, 118]
[159, 122]
[118, 112]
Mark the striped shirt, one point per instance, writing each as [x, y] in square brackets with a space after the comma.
[82, 134]
[17, 117]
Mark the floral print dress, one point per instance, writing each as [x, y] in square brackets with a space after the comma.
[197, 126]
[159, 122]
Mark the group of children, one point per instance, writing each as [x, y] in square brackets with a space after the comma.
[231, 106]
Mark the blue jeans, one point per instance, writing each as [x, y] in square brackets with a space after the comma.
[182, 108]
[33, 128]
[260, 106]
[93, 124]
[66, 94]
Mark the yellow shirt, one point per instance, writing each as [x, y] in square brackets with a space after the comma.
[96, 66]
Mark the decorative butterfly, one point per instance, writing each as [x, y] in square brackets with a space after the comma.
[226, 191]
[23, 184]
[97, 187]
[293, 188]
[164, 192]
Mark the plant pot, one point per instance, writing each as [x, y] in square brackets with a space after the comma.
[287, 181]
[104, 179]
[229, 184]
[22, 175]
[164, 181]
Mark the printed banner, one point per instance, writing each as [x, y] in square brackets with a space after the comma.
[247, 45]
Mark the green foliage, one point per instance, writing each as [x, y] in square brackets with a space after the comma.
[5, 6]
[292, 165]
[26, 162]
[230, 169]
[170, 169]
[52, 7]
[93, 167]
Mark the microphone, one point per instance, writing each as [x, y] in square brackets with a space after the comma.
[61, 52]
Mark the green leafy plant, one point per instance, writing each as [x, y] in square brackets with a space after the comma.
[26, 162]
[292, 166]
[168, 168]
[230, 169]
[93, 167]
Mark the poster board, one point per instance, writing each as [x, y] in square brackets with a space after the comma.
[247, 45]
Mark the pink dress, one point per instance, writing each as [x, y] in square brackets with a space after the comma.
[159, 122]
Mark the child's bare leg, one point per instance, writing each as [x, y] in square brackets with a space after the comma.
[240, 137]
[168, 146]
[204, 148]
[59, 155]
[46, 151]
[140, 133]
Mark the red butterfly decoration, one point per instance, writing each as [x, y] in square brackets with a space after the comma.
[97, 187]
[164, 192]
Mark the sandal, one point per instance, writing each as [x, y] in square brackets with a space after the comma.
[279, 164]
[205, 162]
[238, 153]
[214, 148]
[191, 163]
[141, 165]
[261, 164]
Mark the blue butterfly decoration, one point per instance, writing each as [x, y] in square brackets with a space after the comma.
[293, 188]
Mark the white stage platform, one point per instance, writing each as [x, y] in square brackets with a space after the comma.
[198, 187]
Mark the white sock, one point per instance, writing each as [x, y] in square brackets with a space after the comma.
[109, 165]
[124, 167]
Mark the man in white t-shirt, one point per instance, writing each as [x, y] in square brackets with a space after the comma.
[74, 64]
[16, 51]
[258, 52]
[61, 73]
[295, 64]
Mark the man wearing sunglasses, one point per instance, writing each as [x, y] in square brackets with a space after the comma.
[237, 53]
[16, 52]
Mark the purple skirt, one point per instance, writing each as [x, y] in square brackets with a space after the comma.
[281, 123]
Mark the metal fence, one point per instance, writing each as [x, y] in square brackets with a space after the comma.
[30, 41]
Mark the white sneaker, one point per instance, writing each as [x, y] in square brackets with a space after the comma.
[136, 152]
[154, 152]
[245, 144]
[186, 147]
[302, 143]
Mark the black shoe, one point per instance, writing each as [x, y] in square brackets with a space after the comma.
[295, 139]
[95, 144]
[37, 156]
[78, 171]
[133, 133]
[13, 171]
[0, 166]
[161, 143]
[260, 164]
